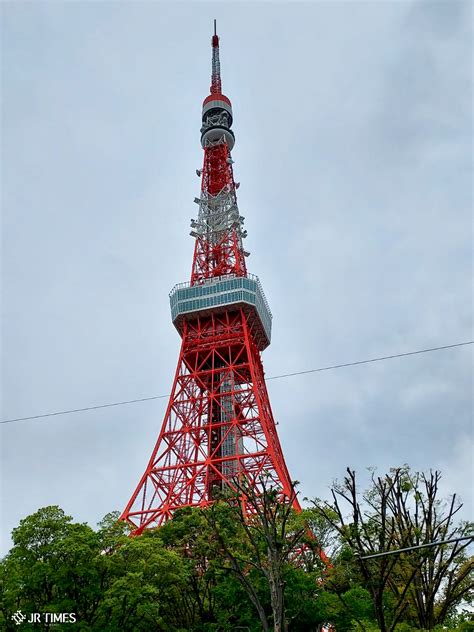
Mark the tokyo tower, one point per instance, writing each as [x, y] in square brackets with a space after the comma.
[218, 426]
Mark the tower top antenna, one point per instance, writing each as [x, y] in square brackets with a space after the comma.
[216, 86]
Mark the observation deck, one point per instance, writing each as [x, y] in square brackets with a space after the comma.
[219, 294]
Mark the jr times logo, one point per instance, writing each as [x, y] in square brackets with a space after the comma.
[44, 617]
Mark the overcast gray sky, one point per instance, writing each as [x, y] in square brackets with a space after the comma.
[354, 149]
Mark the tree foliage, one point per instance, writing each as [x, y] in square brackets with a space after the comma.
[422, 587]
[223, 568]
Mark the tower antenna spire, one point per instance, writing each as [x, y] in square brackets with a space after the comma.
[216, 84]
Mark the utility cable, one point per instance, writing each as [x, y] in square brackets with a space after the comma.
[398, 355]
[414, 548]
[273, 377]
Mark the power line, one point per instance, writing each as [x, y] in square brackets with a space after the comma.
[398, 355]
[273, 377]
[414, 548]
[80, 410]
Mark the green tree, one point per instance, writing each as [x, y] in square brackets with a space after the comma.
[146, 581]
[53, 566]
[110, 581]
[188, 535]
[400, 510]
[267, 545]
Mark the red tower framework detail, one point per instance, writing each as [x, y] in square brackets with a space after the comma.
[218, 425]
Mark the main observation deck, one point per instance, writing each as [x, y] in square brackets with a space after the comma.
[217, 295]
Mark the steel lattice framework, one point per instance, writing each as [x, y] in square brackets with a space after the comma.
[218, 425]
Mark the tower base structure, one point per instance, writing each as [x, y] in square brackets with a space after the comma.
[218, 427]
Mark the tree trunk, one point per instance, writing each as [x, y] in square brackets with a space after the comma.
[277, 608]
[277, 597]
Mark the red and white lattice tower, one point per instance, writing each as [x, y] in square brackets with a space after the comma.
[219, 425]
